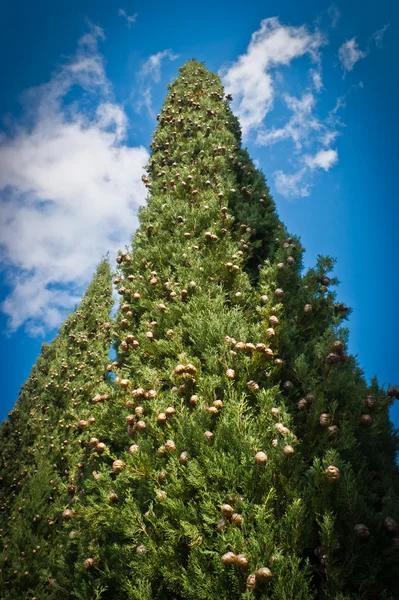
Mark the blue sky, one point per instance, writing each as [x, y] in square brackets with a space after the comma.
[315, 85]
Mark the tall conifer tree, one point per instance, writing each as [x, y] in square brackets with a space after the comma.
[251, 457]
[41, 456]
[239, 452]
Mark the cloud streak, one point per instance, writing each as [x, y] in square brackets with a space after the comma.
[70, 186]
[250, 78]
[256, 82]
[149, 74]
[334, 15]
[291, 185]
[378, 36]
[298, 127]
[130, 19]
[299, 183]
[349, 54]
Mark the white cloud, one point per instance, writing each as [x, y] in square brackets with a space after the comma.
[316, 79]
[250, 79]
[349, 54]
[69, 189]
[299, 183]
[256, 83]
[303, 127]
[341, 100]
[298, 127]
[150, 73]
[378, 36]
[152, 66]
[324, 159]
[128, 18]
[334, 15]
[291, 185]
[329, 137]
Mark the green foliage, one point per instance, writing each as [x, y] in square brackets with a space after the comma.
[226, 352]
[40, 450]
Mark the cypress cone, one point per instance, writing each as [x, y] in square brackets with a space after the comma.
[209, 251]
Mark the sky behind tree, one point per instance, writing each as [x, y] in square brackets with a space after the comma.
[315, 87]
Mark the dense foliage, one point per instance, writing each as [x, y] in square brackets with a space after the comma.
[41, 450]
[233, 449]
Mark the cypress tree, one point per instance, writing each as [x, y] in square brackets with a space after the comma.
[248, 455]
[240, 451]
[41, 450]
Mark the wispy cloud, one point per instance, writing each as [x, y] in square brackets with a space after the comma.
[149, 74]
[324, 159]
[378, 36]
[334, 15]
[292, 185]
[349, 54]
[250, 78]
[298, 127]
[299, 183]
[312, 136]
[152, 67]
[257, 83]
[315, 75]
[70, 186]
[341, 101]
[130, 19]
